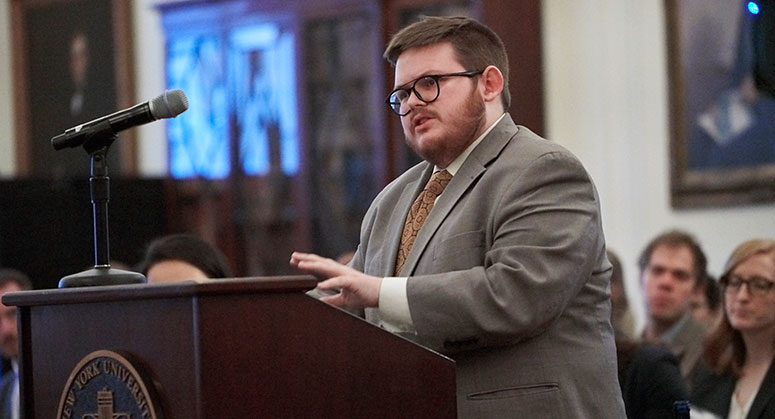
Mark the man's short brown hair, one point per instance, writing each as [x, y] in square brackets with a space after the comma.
[675, 239]
[476, 46]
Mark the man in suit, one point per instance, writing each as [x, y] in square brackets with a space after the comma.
[508, 273]
[673, 270]
[11, 280]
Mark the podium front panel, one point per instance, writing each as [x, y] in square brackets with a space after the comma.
[257, 348]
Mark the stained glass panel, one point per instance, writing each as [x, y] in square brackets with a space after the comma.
[261, 58]
[198, 139]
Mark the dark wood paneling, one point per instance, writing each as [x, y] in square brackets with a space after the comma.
[519, 25]
[46, 227]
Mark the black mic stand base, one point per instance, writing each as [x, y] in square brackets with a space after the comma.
[96, 144]
[101, 276]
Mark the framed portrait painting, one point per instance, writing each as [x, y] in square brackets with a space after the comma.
[722, 101]
[72, 64]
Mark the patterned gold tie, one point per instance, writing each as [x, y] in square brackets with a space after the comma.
[418, 213]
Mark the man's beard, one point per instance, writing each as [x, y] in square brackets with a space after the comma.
[458, 133]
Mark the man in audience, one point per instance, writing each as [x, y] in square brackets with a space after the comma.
[648, 373]
[672, 270]
[11, 280]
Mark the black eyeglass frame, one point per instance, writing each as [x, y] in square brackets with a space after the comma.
[755, 284]
[396, 106]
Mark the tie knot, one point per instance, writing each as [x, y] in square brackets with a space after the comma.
[438, 182]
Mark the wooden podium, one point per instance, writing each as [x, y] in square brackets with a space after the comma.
[235, 348]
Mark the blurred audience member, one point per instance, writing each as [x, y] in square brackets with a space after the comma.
[621, 317]
[706, 306]
[181, 257]
[648, 374]
[11, 280]
[739, 381]
[672, 269]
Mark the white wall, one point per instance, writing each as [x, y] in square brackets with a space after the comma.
[606, 98]
[149, 45]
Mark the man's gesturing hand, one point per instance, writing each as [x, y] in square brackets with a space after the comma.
[356, 289]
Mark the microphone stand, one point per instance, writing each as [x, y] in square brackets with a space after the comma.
[97, 144]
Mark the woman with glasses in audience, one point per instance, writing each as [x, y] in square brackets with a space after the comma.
[739, 381]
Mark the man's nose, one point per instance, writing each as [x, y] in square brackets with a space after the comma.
[413, 100]
[666, 280]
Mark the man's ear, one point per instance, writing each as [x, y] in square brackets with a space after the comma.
[493, 83]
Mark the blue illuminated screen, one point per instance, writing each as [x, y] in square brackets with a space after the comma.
[247, 74]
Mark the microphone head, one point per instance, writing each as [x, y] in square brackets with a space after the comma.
[169, 104]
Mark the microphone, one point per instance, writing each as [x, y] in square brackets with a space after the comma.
[169, 104]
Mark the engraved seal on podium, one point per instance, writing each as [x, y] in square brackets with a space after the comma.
[105, 385]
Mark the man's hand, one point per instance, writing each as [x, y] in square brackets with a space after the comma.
[356, 289]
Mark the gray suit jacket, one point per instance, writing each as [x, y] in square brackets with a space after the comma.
[509, 277]
[687, 345]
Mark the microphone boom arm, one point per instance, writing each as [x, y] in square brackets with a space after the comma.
[76, 136]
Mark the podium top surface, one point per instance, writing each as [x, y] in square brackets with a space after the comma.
[271, 284]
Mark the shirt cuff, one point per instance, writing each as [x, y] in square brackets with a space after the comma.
[394, 306]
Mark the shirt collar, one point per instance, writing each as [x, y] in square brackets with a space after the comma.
[672, 333]
[455, 165]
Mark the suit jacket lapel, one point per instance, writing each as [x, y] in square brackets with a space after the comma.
[474, 166]
[764, 396]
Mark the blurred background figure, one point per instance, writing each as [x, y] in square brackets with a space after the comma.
[622, 318]
[672, 270]
[739, 378]
[79, 70]
[182, 257]
[705, 306]
[11, 280]
[649, 375]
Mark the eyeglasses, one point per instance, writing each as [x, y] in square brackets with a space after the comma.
[426, 88]
[757, 285]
